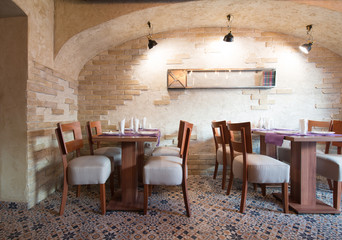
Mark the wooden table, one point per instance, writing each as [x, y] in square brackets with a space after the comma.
[131, 170]
[302, 171]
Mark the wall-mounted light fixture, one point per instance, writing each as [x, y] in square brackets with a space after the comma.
[229, 37]
[306, 47]
[151, 42]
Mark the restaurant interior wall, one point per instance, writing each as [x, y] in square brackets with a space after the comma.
[129, 80]
[53, 66]
[13, 137]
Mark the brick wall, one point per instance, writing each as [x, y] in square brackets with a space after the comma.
[123, 81]
[52, 98]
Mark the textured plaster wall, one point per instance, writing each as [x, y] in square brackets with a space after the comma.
[13, 137]
[130, 81]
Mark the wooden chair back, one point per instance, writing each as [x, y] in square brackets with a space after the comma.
[185, 146]
[180, 133]
[93, 128]
[319, 125]
[337, 128]
[237, 128]
[241, 145]
[217, 128]
[74, 144]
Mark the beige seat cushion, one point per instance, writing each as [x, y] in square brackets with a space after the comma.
[262, 169]
[89, 170]
[166, 151]
[219, 154]
[163, 170]
[284, 153]
[111, 152]
[329, 166]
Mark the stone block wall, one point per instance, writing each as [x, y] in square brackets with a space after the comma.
[130, 80]
[52, 98]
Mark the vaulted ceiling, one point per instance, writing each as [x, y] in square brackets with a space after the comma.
[288, 17]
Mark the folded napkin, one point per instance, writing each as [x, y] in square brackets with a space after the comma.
[144, 123]
[131, 123]
[274, 138]
[121, 125]
[136, 125]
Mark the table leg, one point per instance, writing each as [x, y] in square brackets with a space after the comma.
[129, 175]
[303, 180]
[140, 161]
[129, 199]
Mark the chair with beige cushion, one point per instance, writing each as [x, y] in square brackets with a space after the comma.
[171, 150]
[255, 168]
[222, 150]
[81, 170]
[169, 170]
[330, 166]
[114, 153]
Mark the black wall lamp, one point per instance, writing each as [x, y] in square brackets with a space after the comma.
[229, 37]
[306, 47]
[151, 42]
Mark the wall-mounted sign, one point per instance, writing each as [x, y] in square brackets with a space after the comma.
[221, 78]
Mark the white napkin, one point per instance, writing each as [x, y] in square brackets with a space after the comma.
[303, 126]
[136, 125]
[122, 126]
[144, 123]
[131, 124]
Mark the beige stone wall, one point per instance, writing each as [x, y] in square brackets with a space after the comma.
[52, 98]
[129, 80]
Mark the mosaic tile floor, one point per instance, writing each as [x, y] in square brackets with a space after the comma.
[214, 216]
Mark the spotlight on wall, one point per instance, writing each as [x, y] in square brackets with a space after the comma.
[229, 37]
[306, 47]
[151, 42]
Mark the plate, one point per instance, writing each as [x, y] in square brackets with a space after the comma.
[286, 132]
[322, 132]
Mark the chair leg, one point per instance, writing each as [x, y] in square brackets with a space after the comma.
[337, 194]
[285, 191]
[78, 192]
[119, 176]
[263, 189]
[215, 171]
[146, 195]
[330, 183]
[64, 198]
[224, 175]
[230, 184]
[185, 195]
[255, 186]
[243, 196]
[103, 198]
[111, 183]
[150, 187]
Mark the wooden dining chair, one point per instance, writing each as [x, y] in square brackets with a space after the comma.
[113, 153]
[330, 166]
[284, 153]
[171, 150]
[254, 168]
[169, 170]
[81, 170]
[221, 148]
